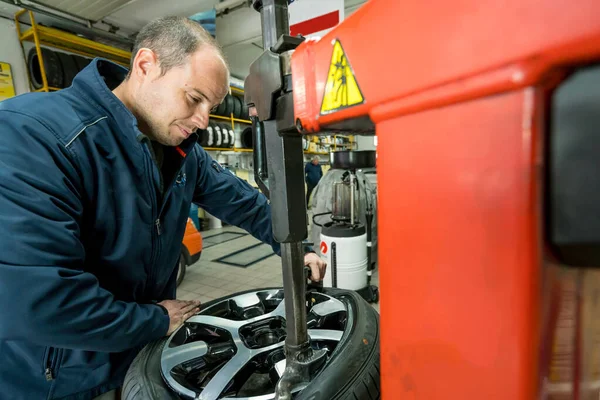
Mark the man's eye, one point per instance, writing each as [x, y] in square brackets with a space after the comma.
[193, 99]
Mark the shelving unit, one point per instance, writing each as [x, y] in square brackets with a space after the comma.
[45, 36]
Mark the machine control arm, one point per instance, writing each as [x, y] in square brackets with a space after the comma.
[279, 173]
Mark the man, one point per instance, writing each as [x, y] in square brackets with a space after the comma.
[313, 174]
[96, 182]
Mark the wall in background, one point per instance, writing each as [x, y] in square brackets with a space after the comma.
[365, 142]
[10, 52]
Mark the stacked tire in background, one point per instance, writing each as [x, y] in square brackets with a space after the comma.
[60, 68]
[220, 135]
[217, 135]
[233, 105]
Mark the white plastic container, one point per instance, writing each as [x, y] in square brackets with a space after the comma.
[350, 257]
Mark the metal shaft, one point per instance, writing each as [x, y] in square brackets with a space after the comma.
[274, 19]
[295, 296]
[351, 199]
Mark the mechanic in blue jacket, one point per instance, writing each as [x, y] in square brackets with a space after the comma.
[96, 181]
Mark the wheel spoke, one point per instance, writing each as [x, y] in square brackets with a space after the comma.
[174, 356]
[328, 307]
[217, 384]
[279, 311]
[246, 300]
[325, 334]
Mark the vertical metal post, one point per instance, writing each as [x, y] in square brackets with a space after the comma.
[295, 297]
[274, 20]
[286, 191]
[38, 48]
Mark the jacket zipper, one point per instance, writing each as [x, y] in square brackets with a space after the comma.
[160, 207]
[49, 364]
[154, 200]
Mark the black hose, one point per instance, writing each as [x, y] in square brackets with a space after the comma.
[318, 215]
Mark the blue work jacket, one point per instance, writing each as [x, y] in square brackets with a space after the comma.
[91, 232]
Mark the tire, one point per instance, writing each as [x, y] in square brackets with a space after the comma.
[224, 135]
[229, 105]
[245, 112]
[231, 138]
[218, 137]
[222, 108]
[69, 67]
[210, 142]
[81, 62]
[237, 107]
[352, 372]
[203, 137]
[182, 267]
[52, 66]
[247, 139]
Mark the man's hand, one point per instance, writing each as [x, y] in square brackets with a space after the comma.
[179, 311]
[317, 266]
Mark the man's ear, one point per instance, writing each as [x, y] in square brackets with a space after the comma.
[145, 63]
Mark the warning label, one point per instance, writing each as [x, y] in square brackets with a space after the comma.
[341, 90]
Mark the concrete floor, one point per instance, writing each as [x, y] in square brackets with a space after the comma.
[207, 279]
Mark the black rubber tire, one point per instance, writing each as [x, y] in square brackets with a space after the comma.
[220, 130]
[237, 107]
[225, 135]
[210, 136]
[182, 266]
[52, 66]
[81, 62]
[352, 372]
[222, 108]
[231, 138]
[245, 113]
[203, 137]
[69, 67]
[229, 106]
[247, 139]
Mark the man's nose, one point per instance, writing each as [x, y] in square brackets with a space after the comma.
[200, 118]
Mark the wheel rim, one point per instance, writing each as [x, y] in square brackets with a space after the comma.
[234, 348]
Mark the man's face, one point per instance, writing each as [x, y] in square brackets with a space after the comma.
[315, 162]
[174, 105]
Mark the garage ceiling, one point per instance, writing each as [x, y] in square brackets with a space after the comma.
[93, 10]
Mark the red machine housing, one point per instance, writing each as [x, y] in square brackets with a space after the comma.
[472, 305]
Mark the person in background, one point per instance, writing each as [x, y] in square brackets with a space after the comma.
[313, 174]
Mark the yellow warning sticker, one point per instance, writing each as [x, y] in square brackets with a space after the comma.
[341, 90]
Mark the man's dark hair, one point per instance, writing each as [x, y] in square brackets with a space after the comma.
[173, 39]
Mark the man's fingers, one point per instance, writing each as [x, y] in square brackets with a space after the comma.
[188, 308]
[190, 314]
[315, 273]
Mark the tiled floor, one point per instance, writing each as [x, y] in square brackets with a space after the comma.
[207, 280]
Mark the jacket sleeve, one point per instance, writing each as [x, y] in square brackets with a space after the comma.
[233, 200]
[46, 296]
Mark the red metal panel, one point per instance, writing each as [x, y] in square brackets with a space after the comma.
[459, 260]
[470, 309]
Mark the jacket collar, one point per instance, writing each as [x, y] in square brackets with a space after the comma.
[96, 82]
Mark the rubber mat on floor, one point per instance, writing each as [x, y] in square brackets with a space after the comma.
[247, 256]
[219, 238]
